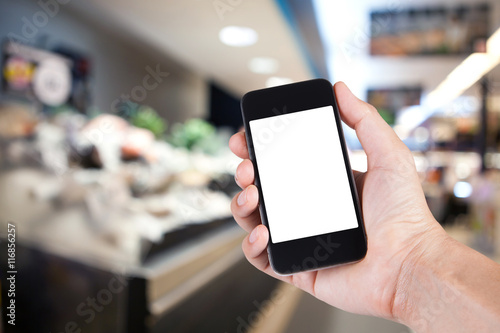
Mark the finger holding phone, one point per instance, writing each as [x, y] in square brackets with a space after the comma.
[320, 251]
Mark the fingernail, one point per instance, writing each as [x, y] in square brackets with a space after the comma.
[242, 198]
[253, 236]
[236, 179]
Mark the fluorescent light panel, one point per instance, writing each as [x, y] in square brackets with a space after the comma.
[274, 81]
[263, 65]
[238, 36]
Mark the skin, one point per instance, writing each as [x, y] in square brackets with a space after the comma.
[413, 273]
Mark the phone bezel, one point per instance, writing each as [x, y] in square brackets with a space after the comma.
[304, 254]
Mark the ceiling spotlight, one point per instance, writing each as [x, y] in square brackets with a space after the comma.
[274, 81]
[263, 65]
[238, 36]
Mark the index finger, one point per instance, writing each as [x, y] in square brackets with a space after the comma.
[238, 145]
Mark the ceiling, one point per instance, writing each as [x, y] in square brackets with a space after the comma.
[188, 31]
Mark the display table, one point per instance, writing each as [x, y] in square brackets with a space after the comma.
[76, 276]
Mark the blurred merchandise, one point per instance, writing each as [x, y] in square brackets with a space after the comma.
[147, 118]
[486, 213]
[80, 78]
[390, 101]
[448, 202]
[455, 134]
[195, 134]
[16, 120]
[103, 137]
[36, 74]
[136, 143]
[431, 30]
[107, 188]
[50, 78]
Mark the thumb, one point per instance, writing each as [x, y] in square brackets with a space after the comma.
[377, 138]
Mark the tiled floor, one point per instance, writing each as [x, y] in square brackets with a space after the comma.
[315, 316]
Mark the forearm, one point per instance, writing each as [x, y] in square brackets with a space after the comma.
[448, 287]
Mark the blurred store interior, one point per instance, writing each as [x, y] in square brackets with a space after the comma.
[114, 167]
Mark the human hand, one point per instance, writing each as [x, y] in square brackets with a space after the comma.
[399, 225]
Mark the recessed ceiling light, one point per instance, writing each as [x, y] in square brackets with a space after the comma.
[263, 65]
[238, 36]
[274, 81]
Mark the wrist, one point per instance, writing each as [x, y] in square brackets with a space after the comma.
[444, 286]
[420, 274]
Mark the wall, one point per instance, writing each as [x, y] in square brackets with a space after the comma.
[118, 64]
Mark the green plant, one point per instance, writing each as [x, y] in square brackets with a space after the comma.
[191, 133]
[146, 117]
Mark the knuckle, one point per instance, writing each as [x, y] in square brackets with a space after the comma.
[370, 108]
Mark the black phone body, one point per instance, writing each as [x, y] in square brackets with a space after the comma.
[308, 197]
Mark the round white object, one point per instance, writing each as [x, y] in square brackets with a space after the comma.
[52, 82]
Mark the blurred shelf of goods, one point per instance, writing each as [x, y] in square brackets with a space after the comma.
[98, 193]
[456, 147]
[460, 168]
[133, 177]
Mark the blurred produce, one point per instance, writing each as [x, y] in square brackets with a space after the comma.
[105, 187]
[137, 142]
[16, 120]
[105, 133]
[147, 118]
[191, 133]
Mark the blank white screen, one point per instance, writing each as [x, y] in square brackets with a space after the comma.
[303, 175]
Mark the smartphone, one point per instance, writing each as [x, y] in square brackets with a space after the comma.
[308, 198]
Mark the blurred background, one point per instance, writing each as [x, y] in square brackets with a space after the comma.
[116, 179]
